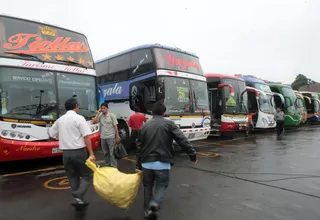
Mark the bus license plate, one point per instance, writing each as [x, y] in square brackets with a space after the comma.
[192, 135]
[56, 150]
[242, 125]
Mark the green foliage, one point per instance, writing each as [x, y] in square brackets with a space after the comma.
[301, 80]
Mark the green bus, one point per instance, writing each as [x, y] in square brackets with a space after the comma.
[292, 112]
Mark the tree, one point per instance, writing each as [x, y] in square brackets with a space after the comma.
[301, 80]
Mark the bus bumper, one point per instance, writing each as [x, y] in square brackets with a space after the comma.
[194, 134]
[232, 127]
[13, 150]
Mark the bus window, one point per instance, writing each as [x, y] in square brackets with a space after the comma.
[119, 68]
[252, 103]
[141, 63]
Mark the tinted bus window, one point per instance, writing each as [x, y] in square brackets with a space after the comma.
[119, 63]
[119, 68]
[172, 60]
[102, 68]
[141, 62]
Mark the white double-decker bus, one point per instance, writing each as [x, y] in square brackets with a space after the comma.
[146, 74]
[41, 66]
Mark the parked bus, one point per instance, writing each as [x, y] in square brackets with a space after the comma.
[146, 74]
[41, 66]
[313, 106]
[289, 107]
[263, 99]
[228, 104]
[301, 105]
[261, 108]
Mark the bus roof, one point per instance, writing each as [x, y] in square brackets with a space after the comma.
[146, 46]
[253, 80]
[219, 75]
[40, 22]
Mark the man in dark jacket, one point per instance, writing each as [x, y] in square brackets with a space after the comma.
[155, 151]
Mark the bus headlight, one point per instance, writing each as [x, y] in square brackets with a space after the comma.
[4, 133]
[14, 135]
[94, 128]
[207, 124]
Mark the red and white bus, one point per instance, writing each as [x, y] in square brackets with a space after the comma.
[41, 66]
[228, 104]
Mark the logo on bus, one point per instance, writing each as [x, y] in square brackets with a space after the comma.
[115, 90]
[184, 64]
[38, 45]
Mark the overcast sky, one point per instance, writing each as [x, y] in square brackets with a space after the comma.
[271, 39]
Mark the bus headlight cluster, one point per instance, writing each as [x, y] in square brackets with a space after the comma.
[207, 124]
[94, 128]
[14, 135]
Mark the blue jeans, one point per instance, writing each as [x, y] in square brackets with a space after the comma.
[157, 178]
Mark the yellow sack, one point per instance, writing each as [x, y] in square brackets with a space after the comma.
[117, 188]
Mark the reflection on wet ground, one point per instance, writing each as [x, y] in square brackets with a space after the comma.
[256, 177]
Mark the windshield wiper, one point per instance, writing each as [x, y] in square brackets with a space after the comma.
[26, 55]
[72, 62]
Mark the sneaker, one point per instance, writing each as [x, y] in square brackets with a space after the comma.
[151, 215]
[80, 204]
[154, 208]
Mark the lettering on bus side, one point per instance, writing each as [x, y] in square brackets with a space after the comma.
[28, 148]
[120, 90]
[114, 90]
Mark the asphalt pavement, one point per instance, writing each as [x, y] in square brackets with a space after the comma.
[249, 178]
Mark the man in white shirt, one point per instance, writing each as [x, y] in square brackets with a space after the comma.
[109, 134]
[73, 133]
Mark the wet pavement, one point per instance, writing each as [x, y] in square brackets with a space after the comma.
[255, 177]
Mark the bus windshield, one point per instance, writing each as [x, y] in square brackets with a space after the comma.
[185, 95]
[241, 102]
[265, 104]
[288, 92]
[262, 87]
[272, 103]
[31, 94]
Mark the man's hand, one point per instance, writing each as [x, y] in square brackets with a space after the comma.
[99, 110]
[118, 139]
[93, 158]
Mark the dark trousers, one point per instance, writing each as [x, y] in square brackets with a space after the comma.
[157, 178]
[280, 125]
[74, 164]
[133, 145]
[134, 135]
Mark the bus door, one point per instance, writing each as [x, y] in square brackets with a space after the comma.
[253, 105]
[278, 100]
[301, 105]
[215, 103]
[143, 95]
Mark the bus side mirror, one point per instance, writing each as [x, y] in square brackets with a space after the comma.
[161, 89]
[133, 95]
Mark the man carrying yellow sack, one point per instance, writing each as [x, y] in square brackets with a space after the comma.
[73, 132]
[155, 151]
